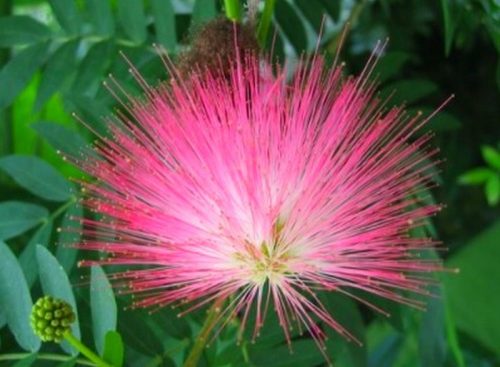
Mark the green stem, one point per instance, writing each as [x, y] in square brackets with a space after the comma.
[82, 348]
[265, 21]
[63, 207]
[201, 340]
[45, 357]
[233, 10]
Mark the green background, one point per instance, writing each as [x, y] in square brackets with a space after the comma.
[54, 56]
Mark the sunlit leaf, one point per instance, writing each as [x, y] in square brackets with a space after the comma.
[492, 190]
[491, 156]
[113, 349]
[476, 176]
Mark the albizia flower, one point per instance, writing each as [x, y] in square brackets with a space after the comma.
[259, 192]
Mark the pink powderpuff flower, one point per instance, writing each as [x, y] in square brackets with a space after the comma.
[259, 192]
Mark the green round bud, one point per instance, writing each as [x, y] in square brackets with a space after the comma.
[51, 318]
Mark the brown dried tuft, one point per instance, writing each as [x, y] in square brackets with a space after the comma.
[213, 47]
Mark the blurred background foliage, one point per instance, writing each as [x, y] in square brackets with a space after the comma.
[54, 56]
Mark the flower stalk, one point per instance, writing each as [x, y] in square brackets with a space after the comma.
[51, 320]
[202, 339]
[82, 348]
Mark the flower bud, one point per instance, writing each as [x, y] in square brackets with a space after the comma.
[51, 318]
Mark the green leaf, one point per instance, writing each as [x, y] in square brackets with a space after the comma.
[17, 217]
[443, 121]
[345, 311]
[67, 15]
[3, 319]
[491, 156]
[203, 10]
[55, 283]
[92, 68]
[17, 73]
[133, 21]
[70, 362]
[15, 300]
[386, 352]
[138, 334]
[37, 176]
[333, 8]
[70, 234]
[492, 190]
[305, 353]
[313, 11]
[291, 24]
[93, 112]
[432, 340]
[62, 139]
[390, 65]
[59, 67]
[473, 293]
[102, 305]
[27, 259]
[21, 30]
[101, 17]
[164, 21]
[476, 176]
[408, 91]
[113, 349]
[27, 361]
[448, 25]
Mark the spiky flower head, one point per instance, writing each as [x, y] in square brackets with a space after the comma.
[51, 318]
[262, 192]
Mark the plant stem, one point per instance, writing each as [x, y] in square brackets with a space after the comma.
[45, 357]
[233, 10]
[82, 348]
[265, 21]
[201, 340]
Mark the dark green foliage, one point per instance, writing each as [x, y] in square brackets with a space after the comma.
[54, 56]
